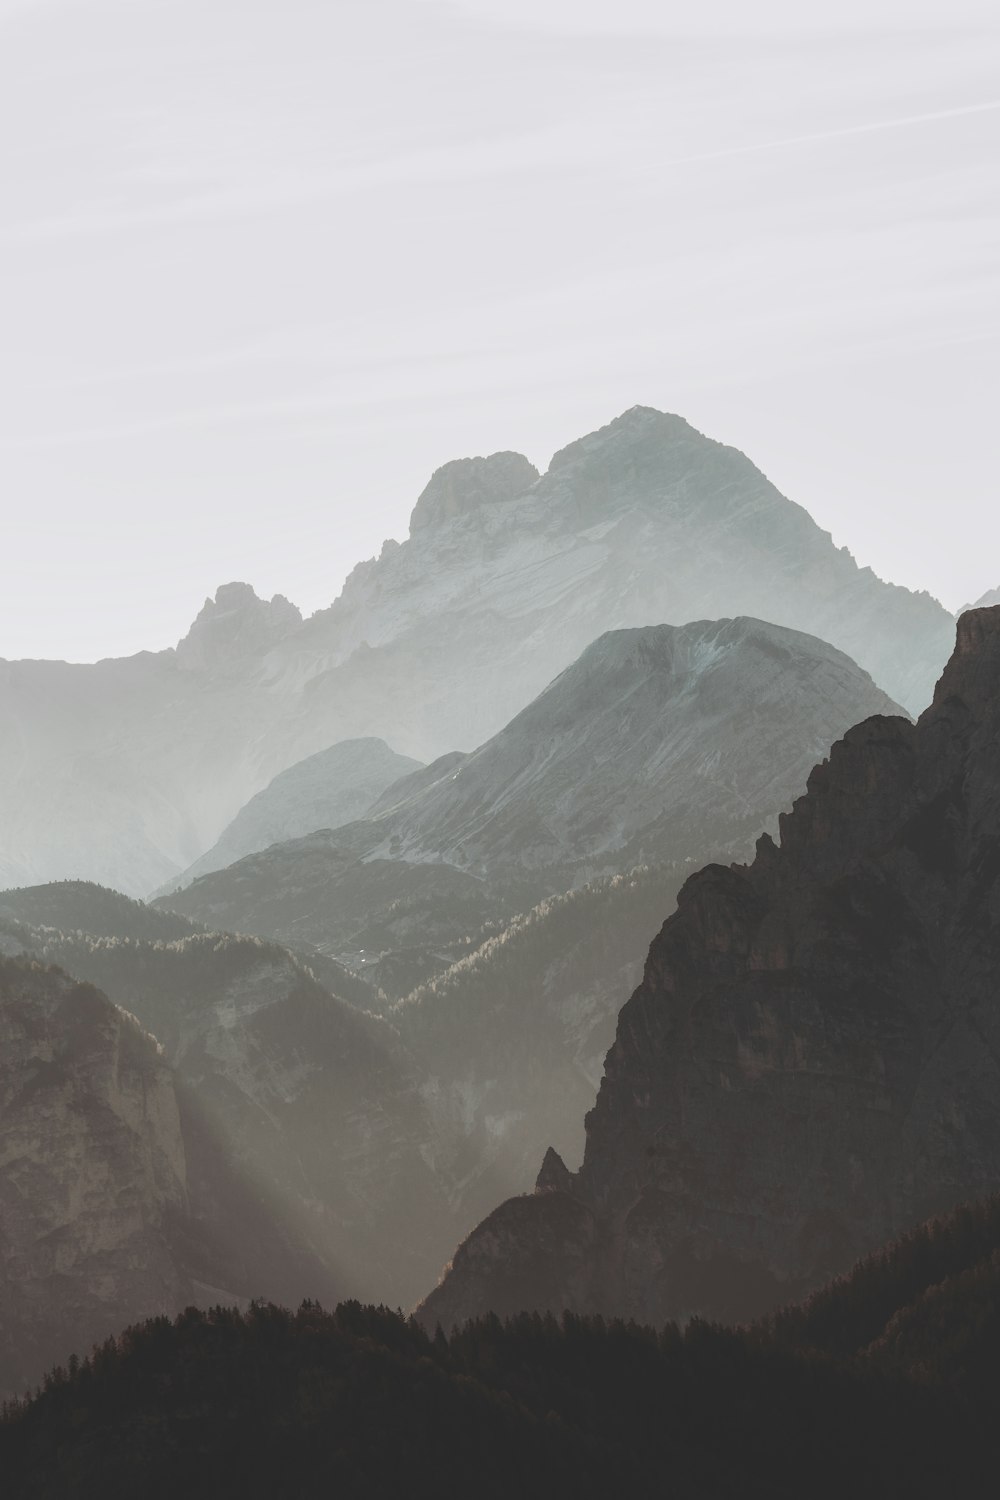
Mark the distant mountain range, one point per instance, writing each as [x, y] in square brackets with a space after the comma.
[658, 748]
[325, 790]
[128, 771]
[811, 1062]
[661, 746]
[325, 1150]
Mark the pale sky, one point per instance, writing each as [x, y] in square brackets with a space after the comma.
[265, 264]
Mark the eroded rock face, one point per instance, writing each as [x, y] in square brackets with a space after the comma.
[462, 487]
[92, 1171]
[811, 1063]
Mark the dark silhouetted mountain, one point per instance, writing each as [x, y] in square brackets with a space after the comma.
[266, 1402]
[335, 786]
[127, 771]
[811, 1063]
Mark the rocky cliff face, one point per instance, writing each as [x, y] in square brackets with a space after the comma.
[127, 771]
[812, 1060]
[314, 1167]
[92, 1171]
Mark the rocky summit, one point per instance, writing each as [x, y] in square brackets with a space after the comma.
[811, 1063]
[127, 771]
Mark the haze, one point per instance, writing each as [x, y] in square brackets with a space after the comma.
[265, 266]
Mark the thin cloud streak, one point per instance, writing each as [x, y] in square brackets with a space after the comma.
[871, 127]
[541, 151]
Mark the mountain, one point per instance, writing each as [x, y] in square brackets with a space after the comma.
[41, 917]
[127, 771]
[314, 1166]
[511, 1039]
[336, 786]
[664, 744]
[989, 599]
[811, 1063]
[92, 1170]
[81, 906]
[884, 1384]
[656, 743]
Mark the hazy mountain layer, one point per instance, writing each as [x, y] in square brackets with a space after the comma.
[128, 771]
[988, 600]
[663, 744]
[335, 786]
[666, 740]
[657, 743]
[810, 1063]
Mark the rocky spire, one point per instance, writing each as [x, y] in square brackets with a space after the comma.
[235, 625]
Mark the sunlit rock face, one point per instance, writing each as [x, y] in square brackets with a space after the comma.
[810, 1064]
[312, 1164]
[92, 1172]
[127, 771]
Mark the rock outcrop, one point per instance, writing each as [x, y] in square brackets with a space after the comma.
[126, 771]
[811, 1063]
[93, 1176]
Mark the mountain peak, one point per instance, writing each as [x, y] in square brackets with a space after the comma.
[973, 673]
[466, 485]
[235, 625]
[640, 426]
[991, 597]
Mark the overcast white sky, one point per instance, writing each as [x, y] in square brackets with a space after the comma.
[264, 264]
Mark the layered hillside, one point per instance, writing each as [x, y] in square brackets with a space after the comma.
[314, 1165]
[661, 744]
[658, 743]
[128, 771]
[812, 1060]
[336, 786]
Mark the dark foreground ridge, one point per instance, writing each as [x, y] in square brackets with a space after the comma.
[812, 1061]
[860, 1392]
